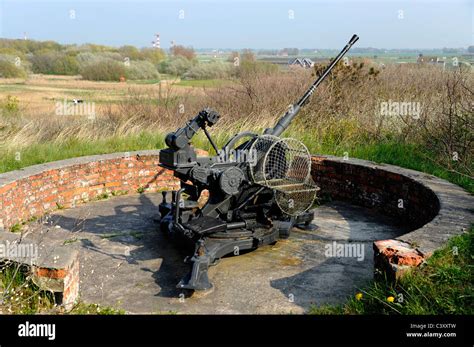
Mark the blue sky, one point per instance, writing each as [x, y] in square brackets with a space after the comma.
[244, 23]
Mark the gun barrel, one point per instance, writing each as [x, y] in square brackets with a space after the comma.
[286, 119]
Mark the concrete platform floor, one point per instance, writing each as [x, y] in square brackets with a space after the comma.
[126, 263]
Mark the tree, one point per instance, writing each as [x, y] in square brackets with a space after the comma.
[187, 52]
[104, 70]
[129, 52]
[10, 70]
[153, 55]
[232, 57]
[247, 55]
[176, 66]
[55, 63]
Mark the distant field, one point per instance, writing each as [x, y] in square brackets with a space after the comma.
[385, 58]
[202, 83]
[39, 94]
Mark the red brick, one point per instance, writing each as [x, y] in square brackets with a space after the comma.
[51, 273]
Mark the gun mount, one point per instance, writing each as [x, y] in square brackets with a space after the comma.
[248, 195]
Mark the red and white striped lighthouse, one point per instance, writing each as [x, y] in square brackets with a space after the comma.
[156, 42]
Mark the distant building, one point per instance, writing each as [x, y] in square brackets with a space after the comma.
[302, 62]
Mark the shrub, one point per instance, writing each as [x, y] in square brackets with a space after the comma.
[130, 52]
[450, 129]
[141, 70]
[10, 105]
[10, 70]
[210, 71]
[153, 55]
[19, 60]
[29, 46]
[176, 66]
[105, 70]
[65, 65]
[12, 53]
[86, 58]
[181, 51]
[248, 55]
[54, 63]
[248, 67]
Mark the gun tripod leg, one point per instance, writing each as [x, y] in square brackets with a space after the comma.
[207, 253]
[197, 278]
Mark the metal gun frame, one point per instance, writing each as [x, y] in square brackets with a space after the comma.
[239, 215]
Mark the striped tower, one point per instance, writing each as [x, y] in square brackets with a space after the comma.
[156, 42]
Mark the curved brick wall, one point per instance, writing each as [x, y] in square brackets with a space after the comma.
[38, 189]
[432, 208]
[390, 191]
[429, 205]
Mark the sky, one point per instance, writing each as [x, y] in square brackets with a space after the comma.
[241, 24]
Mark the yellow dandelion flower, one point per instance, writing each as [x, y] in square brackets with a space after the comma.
[359, 296]
[390, 299]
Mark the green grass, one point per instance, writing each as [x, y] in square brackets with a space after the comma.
[46, 152]
[202, 83]
[69, 241]
[152, 81]
[389, 152]
[12, 88]
[15, 228]
[19, 295]
[119, 192]
[445, 285]
[86, 308]
[103, 196]
[405, 155]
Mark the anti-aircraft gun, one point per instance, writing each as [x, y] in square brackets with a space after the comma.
[252, 193]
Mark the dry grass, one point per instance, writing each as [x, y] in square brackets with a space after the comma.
[344, 111]
[120, 109]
